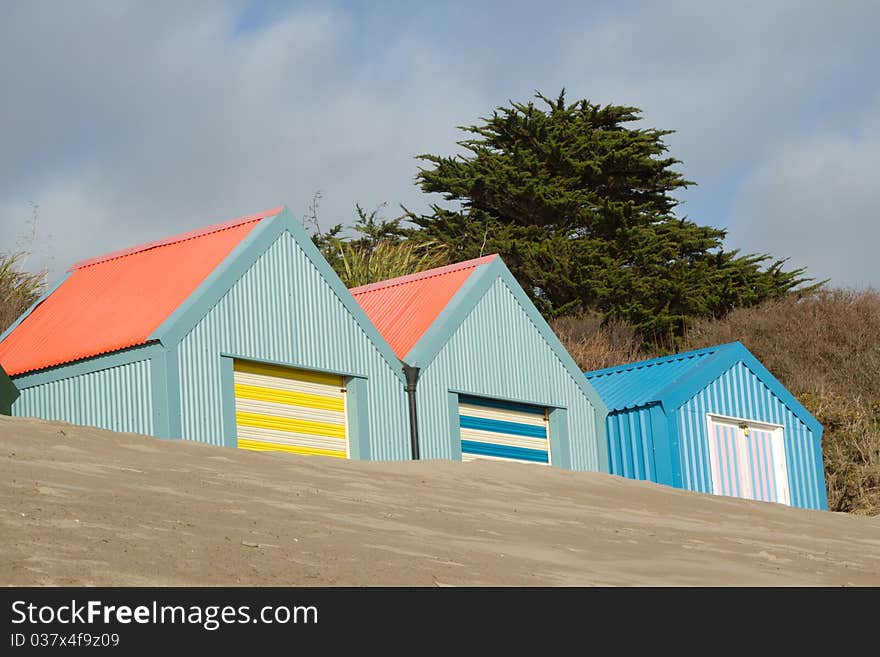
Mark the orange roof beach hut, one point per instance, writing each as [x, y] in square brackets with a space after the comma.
[237, 334]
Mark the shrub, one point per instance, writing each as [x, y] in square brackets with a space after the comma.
[360, 264]
[595, 344]
[18, 288]
[825, 348]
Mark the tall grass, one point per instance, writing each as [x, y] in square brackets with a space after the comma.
[18, 288]
[360, 264]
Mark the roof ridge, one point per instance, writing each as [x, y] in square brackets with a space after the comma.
[418, 276]
[175, 239]
[626, 367]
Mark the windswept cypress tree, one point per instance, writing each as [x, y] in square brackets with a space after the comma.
[580, 207]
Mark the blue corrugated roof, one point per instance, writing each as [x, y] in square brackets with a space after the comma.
[640, 383]
[672, 380]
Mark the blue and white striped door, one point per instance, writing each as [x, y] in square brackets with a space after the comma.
[747, 461]
[501, 430]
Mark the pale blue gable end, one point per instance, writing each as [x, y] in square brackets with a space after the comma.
[283, 310]
[492, 342]
[740, 393]
[218, 283]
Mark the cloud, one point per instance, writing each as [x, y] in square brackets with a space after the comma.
[810, 199]
[727, 77]
[130, 121]
[190, 123]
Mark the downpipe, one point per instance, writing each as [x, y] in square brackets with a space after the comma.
[412, 377]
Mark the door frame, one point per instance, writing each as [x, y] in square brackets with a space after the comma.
[230, 422]
[777, 442]
[455, 408]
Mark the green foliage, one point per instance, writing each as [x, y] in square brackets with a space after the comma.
[580, 207]
[376, 230]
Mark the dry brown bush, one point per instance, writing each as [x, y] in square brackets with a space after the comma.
[827, 342]
[594, 344]
[851, 450]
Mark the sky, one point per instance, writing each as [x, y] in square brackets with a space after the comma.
[124, 122]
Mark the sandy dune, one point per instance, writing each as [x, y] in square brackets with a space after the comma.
[82, 506]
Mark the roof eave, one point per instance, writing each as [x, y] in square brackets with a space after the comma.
[634, 407]
[240, 259]
[675, 395]
[49, 291]
[432, 341]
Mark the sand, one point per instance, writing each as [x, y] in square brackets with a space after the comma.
[83, 506]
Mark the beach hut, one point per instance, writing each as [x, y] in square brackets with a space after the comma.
[486, 376]
[8, 393]
[712, 420]
[238, 334]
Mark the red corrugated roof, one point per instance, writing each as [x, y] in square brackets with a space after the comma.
[402, 309]
[118, 300]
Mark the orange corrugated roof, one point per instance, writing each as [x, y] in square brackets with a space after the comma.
[118, 300]
[402, 309]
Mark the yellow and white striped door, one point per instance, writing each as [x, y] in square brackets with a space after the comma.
[289, 410]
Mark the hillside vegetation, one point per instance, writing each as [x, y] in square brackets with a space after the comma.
[824, 347]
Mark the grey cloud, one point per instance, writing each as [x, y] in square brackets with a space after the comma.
[131, 121]
[811, 199]
[193, 124]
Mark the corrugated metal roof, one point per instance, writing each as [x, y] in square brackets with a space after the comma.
[637, 384]
[116, 301]
[403, 308]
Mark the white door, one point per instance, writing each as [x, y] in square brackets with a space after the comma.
[748, 459]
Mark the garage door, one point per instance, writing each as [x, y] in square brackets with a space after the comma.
[748, 460]
[493, 429]
[284, 409]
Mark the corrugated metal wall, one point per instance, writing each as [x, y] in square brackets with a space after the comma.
[282, 310]
[117, 398]
[497, 352]
[741, 394]
[629, 435]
